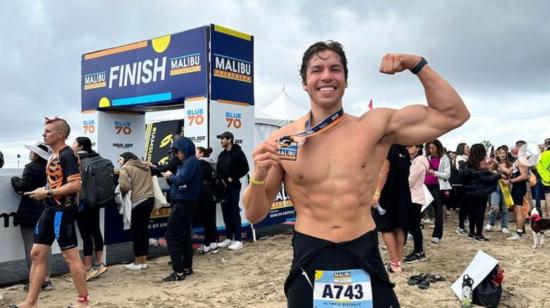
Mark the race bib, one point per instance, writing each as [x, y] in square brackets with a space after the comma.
[345, 288]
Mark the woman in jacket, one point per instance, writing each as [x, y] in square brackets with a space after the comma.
[88, 219]
[437, 181]
[417, 174]
[207, 203]
[478, 183]
[135, 177]
[29, 210]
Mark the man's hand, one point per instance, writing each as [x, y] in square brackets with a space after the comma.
[265, 156]
[396, 62]
[38, 194]
[167, 174]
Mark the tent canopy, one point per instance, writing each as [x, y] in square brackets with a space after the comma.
[282, 108]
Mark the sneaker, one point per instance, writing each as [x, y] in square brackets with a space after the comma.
[203, 249]
[46, 286]
[136, 267]
[428, 221]
[471, 236]
[435, 240]
[101, 269]
[409, 237]
[460, 231]
[188, 271]
[213, 248]
[236, 245]
[174, 277]
[91, 273]
[415, 257]
[225, 243]
[489, 228]
[505, 230]
[481, 238]
[515, 237]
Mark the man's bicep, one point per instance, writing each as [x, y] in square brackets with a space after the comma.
[416, 124]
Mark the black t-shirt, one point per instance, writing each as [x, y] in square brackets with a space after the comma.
[61, 170]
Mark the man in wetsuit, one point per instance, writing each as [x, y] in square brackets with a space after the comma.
[332, 196]
[57, 220]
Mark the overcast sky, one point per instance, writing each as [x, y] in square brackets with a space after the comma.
[495, 53]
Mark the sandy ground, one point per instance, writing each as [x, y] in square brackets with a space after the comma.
[254, 277]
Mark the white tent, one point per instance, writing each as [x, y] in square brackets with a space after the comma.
[282, 108]
[277, 114]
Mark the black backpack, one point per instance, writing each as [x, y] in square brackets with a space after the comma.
[217, 185]
[98, 186]
[488, 292]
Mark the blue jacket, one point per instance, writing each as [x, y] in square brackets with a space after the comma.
[185, 185]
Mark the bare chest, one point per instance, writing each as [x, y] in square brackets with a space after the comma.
[342, 153]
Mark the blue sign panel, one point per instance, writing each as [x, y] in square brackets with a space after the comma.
[163, 70]
[232, 65]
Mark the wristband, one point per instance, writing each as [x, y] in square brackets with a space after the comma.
[416, 69]
[377, 193]
[253, 181]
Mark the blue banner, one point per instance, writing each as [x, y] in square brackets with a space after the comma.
[232, 65]
[163, 70]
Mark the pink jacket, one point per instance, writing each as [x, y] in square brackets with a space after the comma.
[419, 166]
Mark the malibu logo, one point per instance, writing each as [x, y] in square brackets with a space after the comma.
[94, 81]
[232, 68]
[185, 64]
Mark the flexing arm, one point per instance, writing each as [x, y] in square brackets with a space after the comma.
[257, 199]
[416, 123]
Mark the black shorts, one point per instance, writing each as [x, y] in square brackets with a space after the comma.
[546, 189]
[518, 192]
[56, 225]
[311, 254]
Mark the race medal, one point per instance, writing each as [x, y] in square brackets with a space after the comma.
[288, 150]
[288, 146]
[344, 288]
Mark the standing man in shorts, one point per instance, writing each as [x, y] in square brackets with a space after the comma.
[336, 254]
[57, 220]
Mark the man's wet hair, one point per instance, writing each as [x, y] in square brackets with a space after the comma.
[61, 125]
[317, 48]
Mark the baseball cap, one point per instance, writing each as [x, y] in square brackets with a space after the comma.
[227, 135]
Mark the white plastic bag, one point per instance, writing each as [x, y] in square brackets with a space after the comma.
[428, 198]
[160, 199]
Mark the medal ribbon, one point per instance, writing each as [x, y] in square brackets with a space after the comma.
[324, 125]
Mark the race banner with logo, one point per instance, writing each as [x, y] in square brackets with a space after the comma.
[158, 139]
[196, 121]
[232, 65]
[115, 133]
[159, 71]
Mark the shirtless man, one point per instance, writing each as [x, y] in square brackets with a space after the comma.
[332, 187]
[57, 220]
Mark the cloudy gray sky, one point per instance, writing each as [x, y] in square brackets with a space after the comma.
[494, 52]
